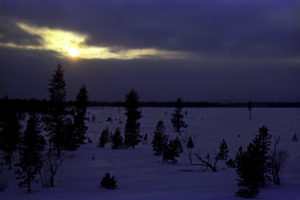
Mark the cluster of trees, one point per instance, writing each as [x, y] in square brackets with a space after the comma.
[41, 154]
[259, 164]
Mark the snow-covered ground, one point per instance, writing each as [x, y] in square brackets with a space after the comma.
[141, 175]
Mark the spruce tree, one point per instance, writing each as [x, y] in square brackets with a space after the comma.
[223, 152]
[117, 140]
[132, 127]
[177, 116]
[104, 138]
[58, 126]
[79, 118]
[56, 118]
[160, 139]
[190, 146]
[9, 136]
[30, 150]
[173, 150]
[254, 165]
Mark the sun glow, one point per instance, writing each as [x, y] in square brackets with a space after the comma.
[72, 44]
[73, 51]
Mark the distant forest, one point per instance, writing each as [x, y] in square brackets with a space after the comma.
[38, 105]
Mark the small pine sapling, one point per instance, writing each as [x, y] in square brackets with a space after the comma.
[295, 138]
[108, 182]
[173, 150]
[160, 139]
[117, 140]
[223, 154]
[104, 138]
[190, 146]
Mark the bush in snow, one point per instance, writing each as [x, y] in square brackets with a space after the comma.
[223, 152]
[160, 139]
[279, 157]
[173, 150]
[117, 140]
[108, 182]
[104, 138]
[295, 138]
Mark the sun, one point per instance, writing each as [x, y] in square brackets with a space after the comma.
[73, 51]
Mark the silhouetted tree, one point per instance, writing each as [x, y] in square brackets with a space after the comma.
[104, 138]
[132, 127]
[246, 168]
[56, 124]
[160, 139]
[279, 157]
[177, 116]
[56, 118]
[173, 150]
[80, 128]
[117, 140]
[254, 165]
[30, 150]
[108, 182]
[9, 136]
[223, 152]
[190, 146]
[250, 109]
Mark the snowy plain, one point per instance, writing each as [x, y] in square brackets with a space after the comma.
[141, 175]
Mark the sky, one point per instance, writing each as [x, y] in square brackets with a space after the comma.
[205, 50]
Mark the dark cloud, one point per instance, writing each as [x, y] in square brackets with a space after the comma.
[246, 44]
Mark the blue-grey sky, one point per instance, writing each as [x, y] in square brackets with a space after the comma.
[205, 50]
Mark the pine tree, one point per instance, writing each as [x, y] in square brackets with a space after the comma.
[262, 143]
[132, 127]
[254, 165]
[223, 152]
[117, 140]
[9, 136]
[79, 117]
[246, 168]
[177, 116]
[30, 150]
[56, 118]
[58, 126]
[160, 139]
[173, 150]
[104, 138]
[108, 182]
[190, 146]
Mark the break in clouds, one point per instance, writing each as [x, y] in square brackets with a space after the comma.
[238, 49]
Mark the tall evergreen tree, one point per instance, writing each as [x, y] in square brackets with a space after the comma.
[79, 117]
[57, 124]
[9, 135]
[160, 139]
[132, 127]
[254, 165]
[177, 116]
[56, 118]
[30, 150]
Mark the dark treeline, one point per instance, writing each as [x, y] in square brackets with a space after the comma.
[38, 105]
